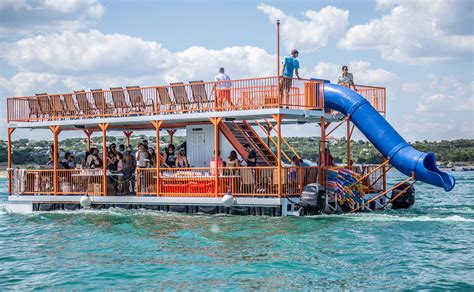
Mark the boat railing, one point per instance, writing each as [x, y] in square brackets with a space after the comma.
[375, 95]
[176, 98]
[172, 182]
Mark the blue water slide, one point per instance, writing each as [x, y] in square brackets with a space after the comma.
[383, 136]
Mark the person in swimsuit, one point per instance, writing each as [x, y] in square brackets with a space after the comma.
[182, 160]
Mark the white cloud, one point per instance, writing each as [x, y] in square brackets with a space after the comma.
[311, 33]
[451, 97]
[417, 31]
[78, 60]
[362, 71]
[26, 17]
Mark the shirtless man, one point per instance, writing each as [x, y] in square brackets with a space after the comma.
[129, 165]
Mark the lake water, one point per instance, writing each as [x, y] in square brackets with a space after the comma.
[430, 246]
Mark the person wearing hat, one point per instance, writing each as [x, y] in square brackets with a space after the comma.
[290, 65]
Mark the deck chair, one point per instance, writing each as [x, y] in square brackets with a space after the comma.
[248, 178]
[83, 103]
[34, 106]
[200, 97]
[58, 106]
[45, 104]
[99, 101]
[70, 105]
[180, 95]
[118, 97]
[164, 97]
[136, 98]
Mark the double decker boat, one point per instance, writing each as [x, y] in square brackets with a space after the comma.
[244, 116]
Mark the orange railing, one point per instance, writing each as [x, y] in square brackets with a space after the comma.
[375, 95]
[240, 181]
[185, 182]
[70, 181]
[196, 96]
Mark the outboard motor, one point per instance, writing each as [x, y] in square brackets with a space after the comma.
[405, 200]
[313, 199]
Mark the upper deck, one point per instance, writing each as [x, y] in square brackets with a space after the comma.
[179, 102]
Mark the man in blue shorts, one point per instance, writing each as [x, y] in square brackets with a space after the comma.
[290, 65]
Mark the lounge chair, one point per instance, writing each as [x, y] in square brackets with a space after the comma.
[164, 97]
[45, 104]
[118, 97]
[136, 98]
[180, 95]
[84, 105]
[58, 106]
[70, 105]
[99, 101]
[198, 89]
[34, 107]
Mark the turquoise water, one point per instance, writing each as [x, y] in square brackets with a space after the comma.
[427, 247]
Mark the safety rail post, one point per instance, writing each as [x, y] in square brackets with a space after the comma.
[369, 173]
[55, 130]
[384, 170]
[9, 166]
[278, 118]
[157, 125]
[216, 122]
[104, 127]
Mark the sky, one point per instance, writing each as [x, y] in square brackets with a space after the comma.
[422, 51]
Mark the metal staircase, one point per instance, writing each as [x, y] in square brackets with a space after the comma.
[241, 133]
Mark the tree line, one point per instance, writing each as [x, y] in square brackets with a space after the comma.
[25, 151]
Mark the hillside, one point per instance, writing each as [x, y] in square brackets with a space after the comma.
[36, 152]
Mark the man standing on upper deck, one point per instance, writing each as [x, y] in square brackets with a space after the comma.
[290, 65]
[346, 79]
[223, 88]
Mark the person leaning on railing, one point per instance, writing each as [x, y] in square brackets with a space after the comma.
[346, 79]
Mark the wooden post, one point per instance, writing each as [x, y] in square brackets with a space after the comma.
[157, 125]
[55, 130]
[104, 128]
[215, 122]
[9, 166]
[127, 134]
[278, 118]
[88, 133]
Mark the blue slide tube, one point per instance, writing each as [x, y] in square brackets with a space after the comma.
[383, 136]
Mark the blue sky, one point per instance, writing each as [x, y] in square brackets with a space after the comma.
[422, 51]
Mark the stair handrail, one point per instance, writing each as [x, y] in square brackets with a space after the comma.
[271, 139]
[283, 139]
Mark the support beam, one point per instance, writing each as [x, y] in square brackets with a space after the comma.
[278, 118]
[216, 122]
[322, 155]
[88, 133]
[9, 166]
[127, 134]
[171, 133]
[157, 125]
[349, 136]
[55, 130]
[104, 128]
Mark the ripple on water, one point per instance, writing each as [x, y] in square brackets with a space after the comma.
[427, 247]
